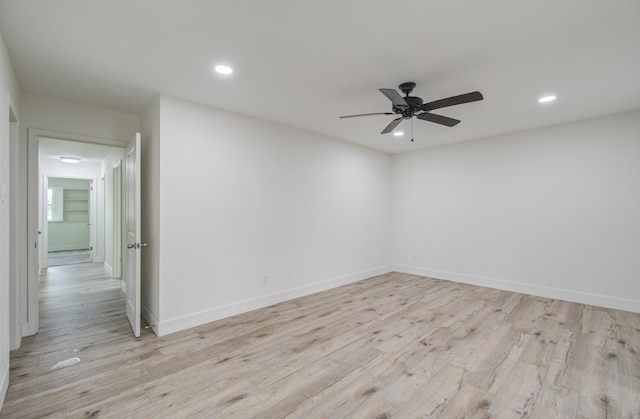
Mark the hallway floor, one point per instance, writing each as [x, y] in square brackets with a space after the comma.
[68, 257]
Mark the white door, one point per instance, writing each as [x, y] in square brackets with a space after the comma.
[117, 220]
[91, 225]
[132, 233]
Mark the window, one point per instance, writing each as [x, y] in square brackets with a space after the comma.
[54, 204]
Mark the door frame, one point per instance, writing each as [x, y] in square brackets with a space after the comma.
[34, 240]
[116, 191]
[17, 229]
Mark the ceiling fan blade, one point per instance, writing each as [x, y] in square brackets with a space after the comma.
[438, 119]
[394, 97]
[392, 125]
[453, 100]
[365, 114]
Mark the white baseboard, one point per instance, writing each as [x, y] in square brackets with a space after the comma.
[16, 340]
[4, 384]
[519, 287]
[69, 247]
[109, 269]
[196, 319]
[123, 286]
[29, 328]
[150, 319]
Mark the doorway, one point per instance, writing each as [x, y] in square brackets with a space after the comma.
[91, 209]
[69, 216]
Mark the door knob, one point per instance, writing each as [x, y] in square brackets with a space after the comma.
[130, 245]
[143, 244]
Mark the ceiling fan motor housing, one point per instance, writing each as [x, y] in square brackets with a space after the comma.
[407, 111]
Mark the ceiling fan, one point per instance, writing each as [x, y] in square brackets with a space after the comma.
[409, 106]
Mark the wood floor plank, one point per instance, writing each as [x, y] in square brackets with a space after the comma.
[396, 345]
[496, 367]
[337, 399]
[603, 328]
[480, 347]
[432, 397]
[306, 391]
[278, 391]
[108, 403]
[542, 345]
[628, 350]
[517, 396]
[629, 400]
[567, 366]
[555, 403]
[627, 319]
[412, 378]
[468, 402]
[375, 407]
[599, 392]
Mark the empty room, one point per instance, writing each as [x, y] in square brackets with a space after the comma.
[320, 209]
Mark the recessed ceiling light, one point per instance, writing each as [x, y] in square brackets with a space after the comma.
[223, 69]
[72, 160]
[398, 134]
[547, 99]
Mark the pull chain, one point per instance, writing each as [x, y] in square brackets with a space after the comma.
[411, 129]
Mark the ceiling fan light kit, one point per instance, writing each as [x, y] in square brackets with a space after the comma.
[408, 107]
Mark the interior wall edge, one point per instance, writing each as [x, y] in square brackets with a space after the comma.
[217, 313]
[522, 288]
[4, 384]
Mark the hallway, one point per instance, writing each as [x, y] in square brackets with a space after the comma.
[81, 309]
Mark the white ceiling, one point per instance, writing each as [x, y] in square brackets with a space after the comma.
[51, 148]
[303, 63]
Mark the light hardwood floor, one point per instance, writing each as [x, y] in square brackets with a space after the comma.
[396, 345]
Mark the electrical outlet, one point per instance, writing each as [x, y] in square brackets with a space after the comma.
[265, 280]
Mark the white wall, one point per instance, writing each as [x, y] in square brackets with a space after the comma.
[9, 101]
[67, 117]
[553, 212]
[242, 198]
